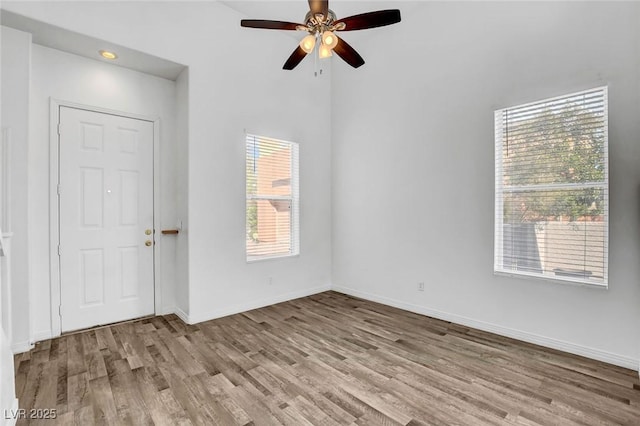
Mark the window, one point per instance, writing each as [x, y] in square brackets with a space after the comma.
[552, 189]
[272, 198]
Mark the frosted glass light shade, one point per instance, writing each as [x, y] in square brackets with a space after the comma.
[308, 43]
[325, 51]
[330, 39]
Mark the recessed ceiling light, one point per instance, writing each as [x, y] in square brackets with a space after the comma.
[108, 55]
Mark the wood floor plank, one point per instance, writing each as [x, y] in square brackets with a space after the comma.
[78, 391]
[75, 355]
[47, 396]
[311, 412]
[105, 339]
[326, 359]
[254, 405]
[104, 407]
[211, 406]
[22, 368]
[32, 386]
[188, 401]
[126, 392]
[153, 403]
[84, 416]
[178, 415]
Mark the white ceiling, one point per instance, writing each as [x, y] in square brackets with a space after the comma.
[82, 45]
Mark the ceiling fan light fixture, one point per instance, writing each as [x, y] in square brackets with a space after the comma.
[324, 51]
[329, 39]
[321, 26]
[308, 43]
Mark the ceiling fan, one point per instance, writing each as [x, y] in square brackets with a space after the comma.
[321, 24]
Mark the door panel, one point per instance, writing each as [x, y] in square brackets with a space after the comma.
[106, 204]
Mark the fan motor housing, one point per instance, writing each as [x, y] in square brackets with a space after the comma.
[312, 22]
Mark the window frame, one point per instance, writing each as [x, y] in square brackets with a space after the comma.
[499, 192]
[293, 199]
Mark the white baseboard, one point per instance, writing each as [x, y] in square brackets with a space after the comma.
[42, 335]
[20, 347]
[597, 354]
[244, 307]
[182, 315]
[26, 346]
[166, 310]
[6, 418]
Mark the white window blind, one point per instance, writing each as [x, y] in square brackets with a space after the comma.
[272, 208]
[552, 201]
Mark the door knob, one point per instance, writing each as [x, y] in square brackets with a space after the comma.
[148, 243]
[148, 232]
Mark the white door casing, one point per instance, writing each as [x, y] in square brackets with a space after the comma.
[105, 212]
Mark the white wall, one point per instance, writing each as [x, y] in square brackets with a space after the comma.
[14, 67]
[244, 87]
[182, 194]
[16, 72]
[413, 165]
[7, 381]
[69, 77]
[235, 83]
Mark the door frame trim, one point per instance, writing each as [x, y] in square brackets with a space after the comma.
[54, 208]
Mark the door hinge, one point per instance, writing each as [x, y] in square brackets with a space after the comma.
[60, 311]
[59, 128]
[59, 250]
[59, 189]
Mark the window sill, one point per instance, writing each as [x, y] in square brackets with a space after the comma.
[276, 257]
[554, 279]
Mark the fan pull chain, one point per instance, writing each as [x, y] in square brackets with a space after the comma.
[317, 64]
[316, 53]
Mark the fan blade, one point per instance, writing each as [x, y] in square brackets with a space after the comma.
[295, 58]
[375, 19]
[268, 25]
[319, 6]
[348, 53]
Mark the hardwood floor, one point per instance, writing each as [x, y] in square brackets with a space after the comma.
[327, 359]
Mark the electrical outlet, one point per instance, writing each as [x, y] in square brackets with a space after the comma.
[420, 286]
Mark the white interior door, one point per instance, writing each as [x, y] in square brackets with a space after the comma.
[106, 218]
